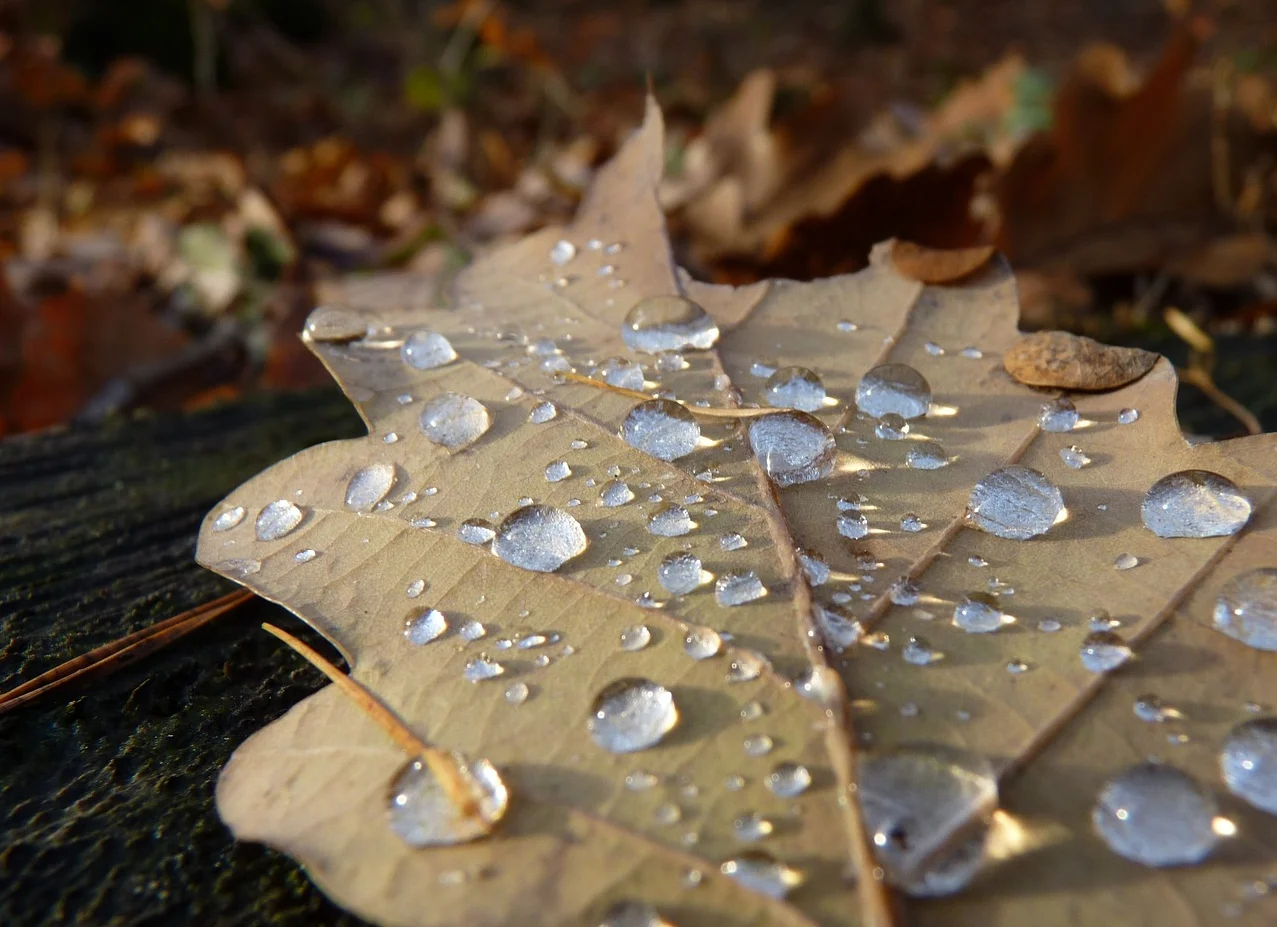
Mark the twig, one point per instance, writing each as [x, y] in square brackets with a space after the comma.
[1203, 382]
[118, 653]
[442, 763]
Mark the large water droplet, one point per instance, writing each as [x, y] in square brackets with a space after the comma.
[1156, 815]
[1104, 651]
[701, 643]
[738, 588]
[894, 388]
[1015, 502]
[915, 801]
[1194, 504]
[453, 420]
[228, 519]
[759, 872]
[427, 626]
[788, 780]
[668, 323]
[333, 325]
[632, 714]
[539, 538]
[661, 428]
[1248, 762]
[792, 447]
[1058, 415]
[369, 486]
[795, 388]
[672, 521]
[427, 350]
[1247, 609]
[681, 573]
[979, 613]
[423, 814]
[278, 519]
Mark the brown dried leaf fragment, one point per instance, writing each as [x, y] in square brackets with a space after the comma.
[1063, 360]
[937, 265]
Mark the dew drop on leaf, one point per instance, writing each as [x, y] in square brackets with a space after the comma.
[732, 541]
[1152, 709]
[540, 538]
[759, 872]
[927, 455]
[894, 388]
[1058, 415]
[681, 573]
[668, 323]
[738, 588]
[542, 412]
[839, 630]
[562, 252]
[1156, 815]
[912, 523]
[517, 693]
[757, 745]
[481, 668]
[746, 666]
[661, 428]
[1074, 457]
[632, 714]
[904, 591]
[818, 684]
[1128, 416]
[1194, 504]
[476, 531]
[229, 519]
[1125, 562]
[423, 814]
[918, 651]
[788, 780]
[795, 388]
[752, 827]
[1104, 651]
[1015, 502]
[640, 780]
[557, 471]
[635, 637]
[333, 325]
[978, 613]
[472, 631]
[1247, 609]
[369, 486]
[1248, 762]
[615, 493]
[426, 627]
[632, 914]
[277, 519]
[306, 556]
[424, 350]
[617, 371]
[853, 525]
[672, 521]
[792, 447]
[701, 643]
[892, 427]
[453, 420]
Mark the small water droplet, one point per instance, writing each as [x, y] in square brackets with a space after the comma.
[681, 573]
[369, 486]
[752, 827]
[427, 350]
[1016, 667]
[788, 780]
[839, 630]
[795, 388]
[661, 428]
[1247, 609]
[332, 325]
[912, 523]
[1058, 415]
[1152, 709]
[1194, 504]
[671, 521]
[516, 693]
[1074, 457]
[617, 371]
[732, 541]
[738, 588]
[792, 447]
[746, 666]
[904, 591]
[635, 637]
[933, 349]
[229, 519]
[277, 519]
[818, 684]
[1156, 815]
[814, 566]
[540, 538]
[927, 455]
[892, 427]
[423, 813]
[896, 388]
[1015, 502]
[668, 323]
[632, 914]
[632, 714]
[472, 631]
[979, 613]
[919, 652]
[641, 780]
[453, 420]
[702, 643]
[562, 252]
[853, 525]
[972, 352]
[557, 471]
[1248, 762]
[1049, 625]
[306, 556]
[481, 668]
[1128, 416]
[759, 872]
[847, 326]
[426, 627]
[476, 531]
[542, 412]
[1126, 562]
[1104, 651]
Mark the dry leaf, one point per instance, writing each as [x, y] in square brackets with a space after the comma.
[1063, 360]
[577, 839]
[935, 265]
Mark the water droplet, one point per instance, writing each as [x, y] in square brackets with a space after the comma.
[557, 471]
[933, 349]
[814, 566]
[542, 412]
[1104, 651]
[516, 693]
[425, 627]
[540, 538]
[1247, 609]
[481, 668]
[422, 812]
[795, 388]
[818, 684]
[661, 428]
[617, 371]
[668, 323]
[904, 591]
[472, 631]
[1058, 415]
[632, 914]
[977, 561]
[1194, 504]
[1248, 762]
[894, 388]
[1152, 709]
[979, 613]
[919, 652]
[839, 630]
[759, 872]
[732, 541]
[912, 523]
[277, 519]
[332, 325]
[1126, 562]
[476, 531]
[752, 827]
[529, 641]
[632, 714]
[369, 486]
[892, 427]
[244, 566]
[635, 637]
[306, 556]
[927, 455]
[792, 447]
[229, 519]
[672, 521]
[427, 350]
[453, 420]
[972, 352]
[641, 780]
[738, 588]
[853, 525]
[847, 326]
[1015, 502]
[1156, 815]
[702, 643]
[1016, 667]
[614, 494]
[681, 573]
[915, 800]
[788, 780]
[1128, 416]
[562, 252]
[1074, 457]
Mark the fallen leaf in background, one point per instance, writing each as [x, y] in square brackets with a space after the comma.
[1062, 360]
[719, 794]
[932, 265]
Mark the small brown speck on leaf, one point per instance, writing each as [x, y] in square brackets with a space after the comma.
[937, 265]
[1066, 361]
